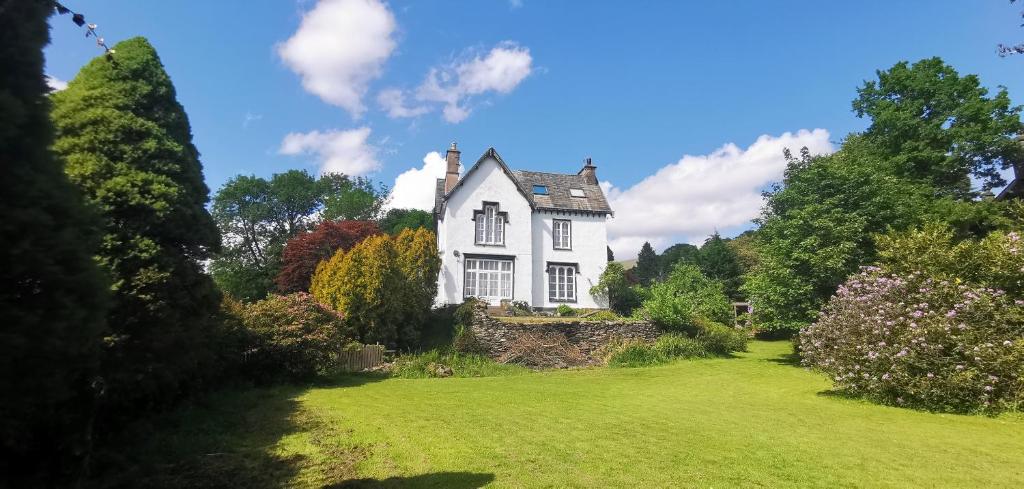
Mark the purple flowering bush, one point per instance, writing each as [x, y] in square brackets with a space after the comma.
[912, 340]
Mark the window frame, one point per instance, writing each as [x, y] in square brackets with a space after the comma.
[480, 221]
[499, 260]
[554, 236]
[553, 269]
[544, 189]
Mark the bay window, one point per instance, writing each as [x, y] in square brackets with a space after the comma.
[488, 278]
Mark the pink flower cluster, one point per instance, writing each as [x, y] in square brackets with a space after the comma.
[912, 340]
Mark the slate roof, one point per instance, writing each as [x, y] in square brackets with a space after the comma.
[558, 196]
[438, 197]
[558, 185]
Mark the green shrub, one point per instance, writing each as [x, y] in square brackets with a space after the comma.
[685, 300]
[519, 308]
[604, 315]
[669, 347]
[721, 340]
[294, 337]
[464, 313]
[564, 310]
[673, 346]
[635, 354]
[613, 287]
[448, 363]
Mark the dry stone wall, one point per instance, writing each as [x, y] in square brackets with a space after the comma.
[496, 335]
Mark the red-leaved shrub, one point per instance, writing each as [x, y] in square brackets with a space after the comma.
[303, 252]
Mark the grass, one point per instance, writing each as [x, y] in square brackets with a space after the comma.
[755, 420]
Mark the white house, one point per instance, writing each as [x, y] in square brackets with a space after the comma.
[520, 235]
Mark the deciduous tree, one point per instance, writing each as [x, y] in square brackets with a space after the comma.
[398, 219]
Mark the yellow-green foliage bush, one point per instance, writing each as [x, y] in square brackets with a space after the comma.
[384, 286]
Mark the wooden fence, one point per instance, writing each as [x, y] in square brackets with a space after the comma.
[368, 356]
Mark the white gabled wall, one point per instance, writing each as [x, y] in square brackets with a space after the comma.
[488, 182]
[589, 250]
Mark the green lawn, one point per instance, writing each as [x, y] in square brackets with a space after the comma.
[751, 421]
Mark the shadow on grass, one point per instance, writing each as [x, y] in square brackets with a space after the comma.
[446, 480]
[790, 359]
[228, 439]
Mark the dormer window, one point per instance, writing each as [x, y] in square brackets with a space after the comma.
[577, 192]
[490, 226]
[540, 190]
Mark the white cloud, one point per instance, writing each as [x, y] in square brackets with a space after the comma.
[336, 151]
[55, 83]
[339, 49]
[392, 100]
[514, 4]
[414, 188]
[688, 200]
[250, 118]
[501, 70]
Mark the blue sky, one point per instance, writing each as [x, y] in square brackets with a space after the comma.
[637, 86]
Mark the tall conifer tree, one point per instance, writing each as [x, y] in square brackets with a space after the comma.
[128, 145]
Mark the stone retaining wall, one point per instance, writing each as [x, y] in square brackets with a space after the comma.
[588, 336]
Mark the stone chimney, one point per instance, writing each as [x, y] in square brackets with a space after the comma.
[452, 176]
[589, 172]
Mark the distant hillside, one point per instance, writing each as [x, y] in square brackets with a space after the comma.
[627, 264]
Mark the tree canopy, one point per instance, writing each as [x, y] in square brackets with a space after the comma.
[128, 146]
[930, 123]
[258, 216]
[395, 220]
[931, 131]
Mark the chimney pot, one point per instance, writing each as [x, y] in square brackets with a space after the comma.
[589, 172]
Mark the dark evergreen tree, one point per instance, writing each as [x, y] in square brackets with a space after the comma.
[677, 253]
[128, 145]
[646, 265]
[611, 255]
[52, 294]
[718, 261]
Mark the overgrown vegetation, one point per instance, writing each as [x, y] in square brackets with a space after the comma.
[714, 341]
[687, 301]
[443, 362]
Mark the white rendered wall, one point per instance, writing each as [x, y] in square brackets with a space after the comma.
[456, 232]
[589, 250]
